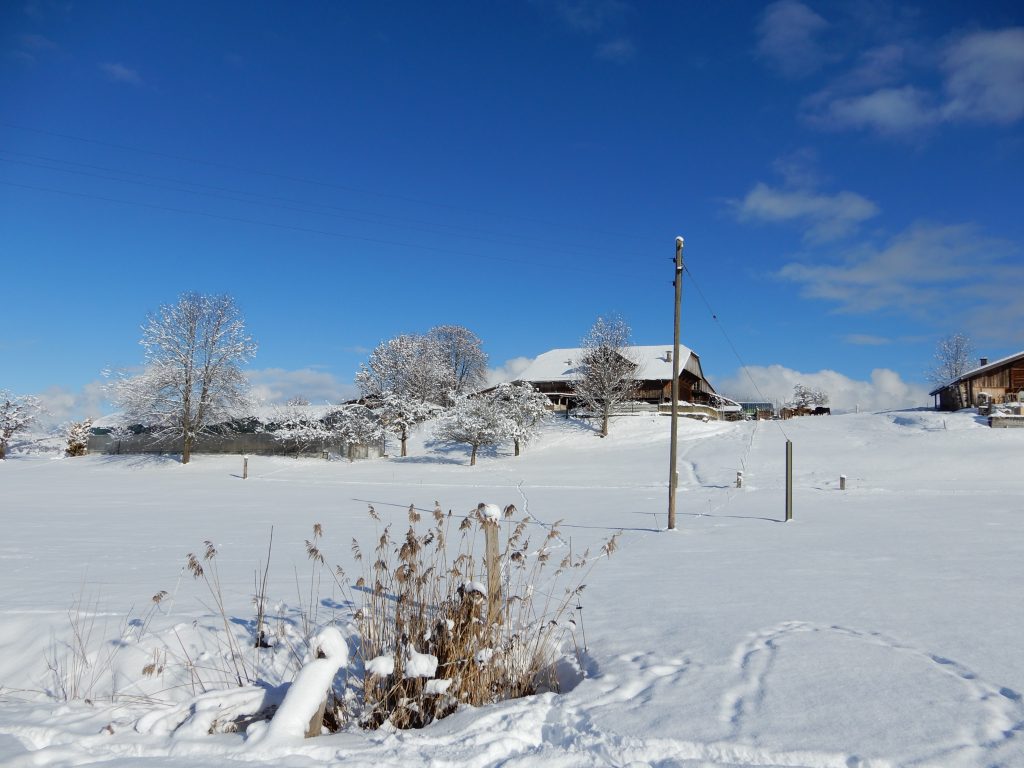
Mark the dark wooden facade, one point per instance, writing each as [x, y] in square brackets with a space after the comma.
[999, 382]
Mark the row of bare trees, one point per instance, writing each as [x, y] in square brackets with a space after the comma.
[193, 379]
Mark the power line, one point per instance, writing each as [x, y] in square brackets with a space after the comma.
[294, 208]
[298, 179]
[297, 205]
[721, 328]
[275, 225]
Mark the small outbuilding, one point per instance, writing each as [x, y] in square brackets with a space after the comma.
[1001, 381]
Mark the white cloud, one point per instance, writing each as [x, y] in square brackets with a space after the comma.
[887, 110]
[788, 37]
[982, 76]
[866, 340]
[38, 43]
[826, 217]
[924, 266]
[589, 16]
[277, 385]
[119, 73]
[885, 389]
[508, 371]
[61, 405]
[985, 77]
[618, 50]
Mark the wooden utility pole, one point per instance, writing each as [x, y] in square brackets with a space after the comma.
[673, 474]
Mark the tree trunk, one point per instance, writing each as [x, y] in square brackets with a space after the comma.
[472, 457]
[405, 436]
[3, 450]
[517, 447]
[604, 424]
[186, 449]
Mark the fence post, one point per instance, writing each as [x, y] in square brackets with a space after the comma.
[842, 482]
[789, 480]
[245, 467]
[739, 479]
[493, 571]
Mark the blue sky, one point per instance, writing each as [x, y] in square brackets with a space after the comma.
[848, 178]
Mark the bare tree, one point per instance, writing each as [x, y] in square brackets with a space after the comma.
[299, 426]
[475, 421]
[808, 397]
[357, 424]
[954, 356]
[408, 365]
[406, 380]
[194, 351]
[16, 415]
[461, 355]
[524, 409]
[607, 373]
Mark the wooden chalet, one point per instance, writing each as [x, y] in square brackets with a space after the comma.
[554, 373]
[1001, 381]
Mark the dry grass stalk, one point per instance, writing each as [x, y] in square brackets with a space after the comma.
[422, 603]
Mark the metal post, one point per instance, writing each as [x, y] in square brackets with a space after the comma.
[789, 480]
[673, 476]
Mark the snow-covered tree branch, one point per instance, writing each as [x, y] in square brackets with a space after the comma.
[407, 381]
[474, 421]
[808, 397]
[607, 373]
[954, 356]
[17, 412]
[194, 351]
[462, 358]
[523, 409]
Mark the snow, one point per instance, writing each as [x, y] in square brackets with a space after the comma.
[490, 512]
[655, 362]
[881, 627]
[381, 666]
[419, 664]
[306, 694]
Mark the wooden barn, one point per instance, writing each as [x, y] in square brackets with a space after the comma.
[554, 372]
[998, 382]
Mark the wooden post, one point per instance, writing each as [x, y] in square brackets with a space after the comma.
[739, 479]
[789, 480]
[673, 475]
[245, 467]
[842, 482]
[493, 571]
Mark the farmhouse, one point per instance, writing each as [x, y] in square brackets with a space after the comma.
[996, 382]
[554, 372]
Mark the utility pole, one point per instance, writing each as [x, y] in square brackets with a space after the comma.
[673, 475]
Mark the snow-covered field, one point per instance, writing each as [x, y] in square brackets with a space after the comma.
[883, 626]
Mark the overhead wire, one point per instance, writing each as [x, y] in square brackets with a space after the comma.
[276, 225]
[290, 204]
[739, 359]
[302, 180]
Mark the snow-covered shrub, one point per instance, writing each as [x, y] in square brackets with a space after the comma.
[473, 421]
[16, 415]
[77, 434]
[432, 640]
[524, 409]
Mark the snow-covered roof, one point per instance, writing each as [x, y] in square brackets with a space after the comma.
[655, 362]
[979, 370]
